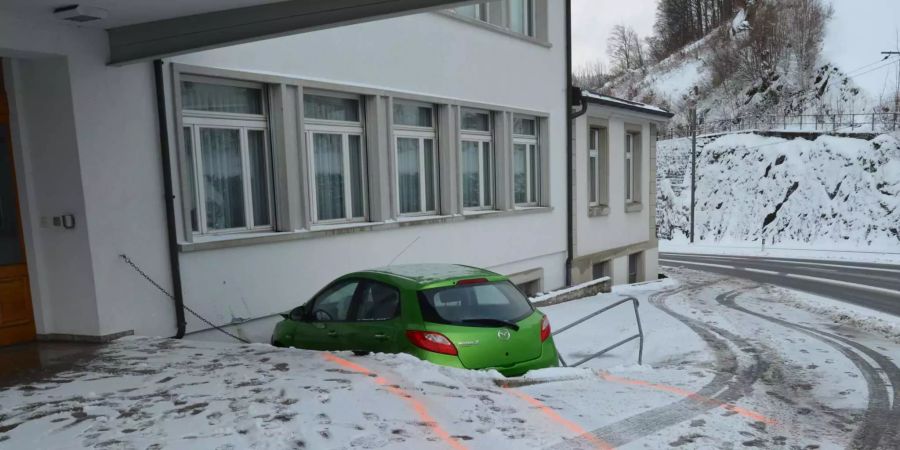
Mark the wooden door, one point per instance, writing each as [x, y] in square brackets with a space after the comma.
[16, 315]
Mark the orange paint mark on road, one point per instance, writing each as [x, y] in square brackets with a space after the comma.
[416, 405]
[568, 424]
[750, 414]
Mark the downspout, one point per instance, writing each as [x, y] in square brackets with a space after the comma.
[177, 294]
[570, 136]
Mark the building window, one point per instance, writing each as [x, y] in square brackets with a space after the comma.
[526, 161]
[521, 16]
[478, 11]
[600, 270]
[594, 167]
[227, 155]
[477, 159]
[634, 267]
[416, 158]
[334, 137]
[632, 174]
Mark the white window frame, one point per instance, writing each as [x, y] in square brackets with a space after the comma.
[532, 165]
[630, 176]
[196, 120]
[485, 140]
[345, 129]
[482, 12]
[422, 134]
[594, 136]
[528, 17]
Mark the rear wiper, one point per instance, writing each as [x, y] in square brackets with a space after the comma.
[497, 322]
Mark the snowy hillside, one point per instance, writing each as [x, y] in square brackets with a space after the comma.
[831, 192]
[847, 77]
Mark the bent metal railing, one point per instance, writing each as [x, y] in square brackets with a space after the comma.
[639, 335]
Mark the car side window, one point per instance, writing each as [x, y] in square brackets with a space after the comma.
[333, 305]
[378, 301]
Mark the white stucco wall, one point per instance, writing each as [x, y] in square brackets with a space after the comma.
[87, 140]
[619, 228]
[88, 144]
[426, 54]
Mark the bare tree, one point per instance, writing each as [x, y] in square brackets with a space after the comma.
[625, 48]
[591, 76]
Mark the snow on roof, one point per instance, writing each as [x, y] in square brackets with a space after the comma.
[622, 103]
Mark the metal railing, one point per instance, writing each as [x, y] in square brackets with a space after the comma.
[639, 335]
[872, 122]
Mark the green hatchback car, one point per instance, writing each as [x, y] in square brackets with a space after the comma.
[451, 315]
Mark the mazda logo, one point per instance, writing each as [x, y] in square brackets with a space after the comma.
[504, 334]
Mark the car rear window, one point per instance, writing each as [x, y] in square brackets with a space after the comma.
[487, 301]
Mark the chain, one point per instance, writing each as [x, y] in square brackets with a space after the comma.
[167, 294]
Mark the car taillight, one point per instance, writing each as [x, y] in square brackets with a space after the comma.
[431, 341]
[472, 281]
[545, 328]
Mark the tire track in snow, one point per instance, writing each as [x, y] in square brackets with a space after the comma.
[881, 419]
[728, 385]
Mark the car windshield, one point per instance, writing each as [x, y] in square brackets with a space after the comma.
[488, 304]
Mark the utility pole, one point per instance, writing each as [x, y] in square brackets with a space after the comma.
[693, 163]
[897, 91]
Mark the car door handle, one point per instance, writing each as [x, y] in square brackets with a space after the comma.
[332, 333]
[381, 337]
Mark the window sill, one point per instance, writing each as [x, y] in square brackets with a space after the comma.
[634, 207]
[495, 28]
[323, 231]
[598, 211]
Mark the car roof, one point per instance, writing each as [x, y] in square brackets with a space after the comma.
[427, 276]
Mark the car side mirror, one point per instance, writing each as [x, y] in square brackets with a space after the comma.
[298, 313]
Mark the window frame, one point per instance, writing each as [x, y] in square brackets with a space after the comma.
[195, 121]
[482, 12]
[357, 302]
[482, 138]
[595, 134]
[532, 163]
[345, 129]
[631, 180]
[351, 311]
[529, 18]
[422, 134]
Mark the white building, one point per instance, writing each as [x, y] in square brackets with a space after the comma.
[615, 190]
[242, 178]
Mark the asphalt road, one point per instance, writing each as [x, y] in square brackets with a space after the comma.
[875, 286]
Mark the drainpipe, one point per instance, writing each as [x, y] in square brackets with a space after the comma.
[571, 95]
[177, 294]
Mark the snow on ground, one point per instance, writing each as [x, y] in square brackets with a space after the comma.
[796, 250]
[719, 371]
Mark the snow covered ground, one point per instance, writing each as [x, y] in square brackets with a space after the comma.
[727, 364]
[796, 250]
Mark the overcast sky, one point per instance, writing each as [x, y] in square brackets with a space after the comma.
[592, 21]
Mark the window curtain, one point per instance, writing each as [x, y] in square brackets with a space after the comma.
[221, 98]
[430, 203]
[470, 174]
[191, 175]
[329, 176]
[533, 174]
[331, 108]
[357, 191]
[259, 177]
[520, 176]
[488, 172]
[223, 178]
[408, 175]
